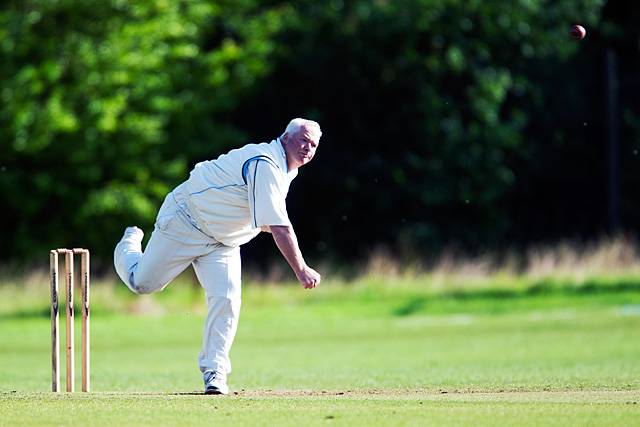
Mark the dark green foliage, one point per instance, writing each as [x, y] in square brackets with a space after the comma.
[428, 108]
[105, 104]
[441, 117]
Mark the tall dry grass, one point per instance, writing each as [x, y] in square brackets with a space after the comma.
[569, 261]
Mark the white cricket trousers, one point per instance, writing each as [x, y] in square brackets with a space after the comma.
[176, 243]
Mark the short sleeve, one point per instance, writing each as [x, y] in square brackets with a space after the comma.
[267, 195]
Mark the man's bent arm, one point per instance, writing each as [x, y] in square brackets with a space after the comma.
[286, 240]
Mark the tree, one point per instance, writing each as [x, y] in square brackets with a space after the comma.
[107, 104]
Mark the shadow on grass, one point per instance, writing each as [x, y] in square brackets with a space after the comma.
[45, 312]
[27, 313]
[419, 303]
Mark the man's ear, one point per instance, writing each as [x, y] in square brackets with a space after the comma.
[285, 137]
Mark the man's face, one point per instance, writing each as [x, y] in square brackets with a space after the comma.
[300, 147]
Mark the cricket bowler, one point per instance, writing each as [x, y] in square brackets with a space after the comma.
[203, 222]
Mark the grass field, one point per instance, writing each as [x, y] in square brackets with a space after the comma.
[370, 353]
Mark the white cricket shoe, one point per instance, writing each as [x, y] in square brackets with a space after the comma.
[133, 234]
[127, 254]
[215, 383]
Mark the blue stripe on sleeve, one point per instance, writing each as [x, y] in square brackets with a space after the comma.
[255, 174]
[245, 165]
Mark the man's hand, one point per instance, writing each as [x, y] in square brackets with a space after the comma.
[287, 242]
[308, 277]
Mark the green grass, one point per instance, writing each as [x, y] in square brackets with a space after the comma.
[370, 353]
[565, 409]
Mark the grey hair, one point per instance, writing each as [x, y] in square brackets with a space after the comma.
[297, 123]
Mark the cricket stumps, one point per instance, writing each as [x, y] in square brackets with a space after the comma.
[55, 332]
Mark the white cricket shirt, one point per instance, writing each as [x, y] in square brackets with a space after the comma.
[241, 191]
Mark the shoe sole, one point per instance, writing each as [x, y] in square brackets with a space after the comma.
[214, 391]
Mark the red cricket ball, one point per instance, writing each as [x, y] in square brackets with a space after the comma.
[578, 32]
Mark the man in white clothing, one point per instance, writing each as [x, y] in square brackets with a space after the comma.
[225, 203]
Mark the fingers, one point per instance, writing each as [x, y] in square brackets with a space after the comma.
[309, 278]
[311, 282]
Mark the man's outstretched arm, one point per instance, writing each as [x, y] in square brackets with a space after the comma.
[286, 240]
